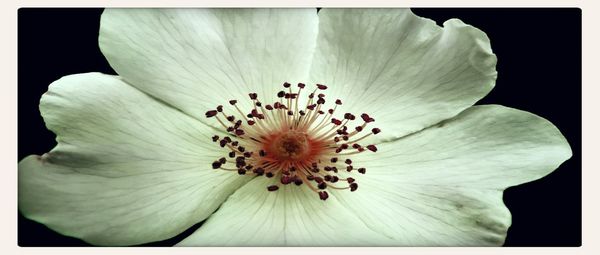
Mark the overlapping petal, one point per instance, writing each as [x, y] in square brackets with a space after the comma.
[403, 70]
[127, 169]
[290, 216]
[443, 186]
[196, 59]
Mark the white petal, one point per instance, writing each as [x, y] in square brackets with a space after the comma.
[290, 216]
[443, 186]
[196, 59]
[403, 70]
[127, 169]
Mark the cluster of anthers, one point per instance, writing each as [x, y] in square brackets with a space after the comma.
[307, 146]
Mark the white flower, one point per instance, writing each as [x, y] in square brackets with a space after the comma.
[134, 154]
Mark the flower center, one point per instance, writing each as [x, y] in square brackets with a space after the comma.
[300, 145]
[290, 146]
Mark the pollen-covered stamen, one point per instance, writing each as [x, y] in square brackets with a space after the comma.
[296, 145]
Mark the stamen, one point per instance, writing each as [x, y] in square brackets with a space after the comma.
[299, 145]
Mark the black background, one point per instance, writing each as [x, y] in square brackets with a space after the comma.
[539, 70]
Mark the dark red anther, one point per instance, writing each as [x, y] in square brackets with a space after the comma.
[239, 132]
[333, 160]
[269, 174]
[237, 124]
[362, 170]
[219, 108]
[327, 178]
[356, 146]
[232, 154]
[302, 113]
[259, 171]
[323, 195]
[241, 171]
[334, 179]
[211, 113]
[330, 111]
[344, 146]
[230, 129]
[348, 161]
[322, 185]
[334, 169]
[311, 95]
[321, 86]
[310, 177]
[375, 131]
[240, 159]
[231, 118]
[286, 84]
[359, 128]
[287, 96]
[336, 121]
[349, 168]
[321, 100]
[269, 107]
[215, 138]
[353, 186]
[234, 143]
[259, 104]
[285, 179]
[366, 118]
[372, 148]
[345, 138]
[253, 96]
[251, 122]
[350, 179]
[247, 154]
[290, 113]
[336, 139]
[260, 116]
[338, 102]
[222, 160]
[248, 167]
[222, 143]
[348, 116]
[301, 85]
[311, 107]
[298, 181]
[327, 168]
[321, 112]
[272, 188]
[281, 94]
[318, 179]
[232, 102]
[338, 150]
[240, 164]
[262, 153]
[361, 149]
[216, 165]
[321, 95]
[254, 112]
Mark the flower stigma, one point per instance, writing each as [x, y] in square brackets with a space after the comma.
[296, 145]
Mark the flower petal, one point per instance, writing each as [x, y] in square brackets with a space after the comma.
[443, 186]
[196, 59]
[403, 70]
[290, 216]
[127, 169]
